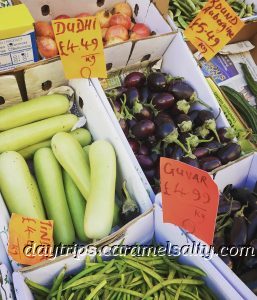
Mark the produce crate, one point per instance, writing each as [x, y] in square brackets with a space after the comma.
[101, 127]
[241, 173]
[141, 231]
[165, 232]
[177, 66]
[145, 11]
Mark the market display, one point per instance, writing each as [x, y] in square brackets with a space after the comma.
[146, 277]
[85, 152]
[156, 113]
[117, 25]
[184, 12]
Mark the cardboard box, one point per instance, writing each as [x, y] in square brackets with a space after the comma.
[17, 38]
[144, 11]
[101, 127]
[177, 61]
[140, 232]
[215, 280]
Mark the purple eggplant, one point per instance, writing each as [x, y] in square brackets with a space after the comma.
[144, 94]
[184, 123]
[144, 114]
[209, 163]
[157, 82]
[203, 132]
[134, 145]
[184, 91]
[193, 114]
[162, 117]
[129, 210]
[253, 244]
[180, 107]
[252, 226]
[250, 262]
[193, 141]
[143, 150]
[226, 134]
[238, 233]
[134, 79]
[206, 119]
[218, 240]
[145, 162]
[131, 123]
[164, 129]
[151, 141]
[230, 152]
[116, 93]
[250, 279]
[191, 161]
[150, 175]
[201, 152]
[124, 126]
[212, 146]
[177, 153]
[132, 100]
[226, 206]
[163, 101]
[155, 158]
[143, 129]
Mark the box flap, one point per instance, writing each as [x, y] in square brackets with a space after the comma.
[15, 20]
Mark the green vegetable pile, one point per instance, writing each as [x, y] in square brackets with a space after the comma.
[129, 278]
[183, 12]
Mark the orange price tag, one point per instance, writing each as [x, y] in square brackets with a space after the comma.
[27, 236]
[190, 198]
[80, 45]
[214, 26]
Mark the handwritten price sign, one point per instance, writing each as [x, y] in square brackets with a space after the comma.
[190, 198]
[80, 46]
[22, 232]
[213, 28]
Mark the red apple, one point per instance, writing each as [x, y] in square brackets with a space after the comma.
[123, 8]
[104, 17]
[120, 19]
[117, 31]
[140, 31]
[62, 17]
[47, 47]
[44, 29]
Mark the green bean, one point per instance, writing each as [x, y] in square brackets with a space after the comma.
[171, 274]
[39, 289]
[58, 281]
[71, 296]
[126, 291]
[182, 9]
[80, 294]
[178, 293]
[147, 280]
[59, 293]
[96, 290]
[182, 23]
[178, 13]
[190, 4]
[108, 266]
[242, 12]
[173, 281]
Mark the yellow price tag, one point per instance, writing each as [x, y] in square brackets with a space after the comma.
[80, 45]
[214, 26]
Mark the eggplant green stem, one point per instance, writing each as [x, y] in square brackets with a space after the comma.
[195, 99]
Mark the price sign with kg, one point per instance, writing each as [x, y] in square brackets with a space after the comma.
[79, 41]
[190, 198]
[214, 26]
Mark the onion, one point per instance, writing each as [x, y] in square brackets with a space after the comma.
[140, 31]
[84, 14]
[113, 41]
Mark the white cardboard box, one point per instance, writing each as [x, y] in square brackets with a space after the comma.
[177, 61]
[117, 56]
[101, 127]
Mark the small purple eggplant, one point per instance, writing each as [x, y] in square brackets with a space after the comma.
[212, 146]
[250, 279]
[157, 82]
[226, 206]
[163, 101]
[132, 100]
[144, 114]
[177, 153]
[143, 150]
[132, 123]
[162, 117]
[150, 175]
[184, 91]
[252, 226]
[206, 119]
[145, 162]
[201, 152]
[124, 126]
[155, 158]
[116, 93]
[191, 161]
[134, 145]
[144, 94]
[228, 153]
[184, 123]
[193, 114]
[238, 233]
[226, 134]
[143, 129]
[134, 79]
[209, 163]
